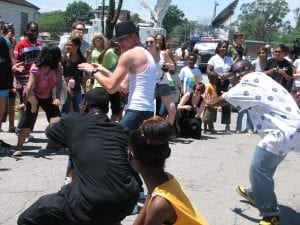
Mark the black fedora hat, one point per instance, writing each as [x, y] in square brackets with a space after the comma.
[124, 29]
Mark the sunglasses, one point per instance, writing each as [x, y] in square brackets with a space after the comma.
[197, 89]
[240, 69]
[149, 42]
[278, 51]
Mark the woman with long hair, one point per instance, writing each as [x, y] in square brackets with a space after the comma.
[45, 74]
[162, 89]
[72, 75]
[259, 64]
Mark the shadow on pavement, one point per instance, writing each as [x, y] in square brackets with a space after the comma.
[288, 216]
[241, 213]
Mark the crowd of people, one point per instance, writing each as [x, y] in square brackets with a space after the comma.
[154, 96]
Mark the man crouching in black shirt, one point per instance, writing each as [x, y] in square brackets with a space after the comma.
[102, 190]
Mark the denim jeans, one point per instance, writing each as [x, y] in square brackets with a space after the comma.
[75, 99]
[261, 173]
[239, 121]
[133, 118]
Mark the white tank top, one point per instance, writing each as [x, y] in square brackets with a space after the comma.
[161, 77]
[142, 86]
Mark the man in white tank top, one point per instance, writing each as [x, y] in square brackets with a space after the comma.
[135, 73]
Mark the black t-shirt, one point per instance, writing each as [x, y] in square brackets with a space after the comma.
[102, 185]
[70, 69]
[284, 64]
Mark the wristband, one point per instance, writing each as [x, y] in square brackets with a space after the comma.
[96, 70]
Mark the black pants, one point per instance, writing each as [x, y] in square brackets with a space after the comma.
[47, 210]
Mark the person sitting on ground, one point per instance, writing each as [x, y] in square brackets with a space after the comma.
[189, 113]
[167, 202]
[102, 190]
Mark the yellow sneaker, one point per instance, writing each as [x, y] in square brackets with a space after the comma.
[242, 192]
[269, 220]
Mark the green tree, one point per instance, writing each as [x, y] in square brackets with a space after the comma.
[136, 18]
[52, 22]
[174, 17]
[262, 20]
[78, 10]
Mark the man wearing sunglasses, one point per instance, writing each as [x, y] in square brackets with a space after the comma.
[276, 117]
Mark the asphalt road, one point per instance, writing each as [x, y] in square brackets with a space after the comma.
[209, 169]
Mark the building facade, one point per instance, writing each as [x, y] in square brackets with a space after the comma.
[19, 13]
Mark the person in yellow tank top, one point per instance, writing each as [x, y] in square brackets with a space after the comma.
[167, 202]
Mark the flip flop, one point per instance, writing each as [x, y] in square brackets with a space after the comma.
[17, 154]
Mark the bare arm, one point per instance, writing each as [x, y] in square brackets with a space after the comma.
[109, 80]
[30, 85]
[214, 102]
[58, 86]
[183, 101]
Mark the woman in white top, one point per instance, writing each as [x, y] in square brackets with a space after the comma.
[221, 65]
[162, 90]
[259, 63]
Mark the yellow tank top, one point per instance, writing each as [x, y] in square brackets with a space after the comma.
[177, 197]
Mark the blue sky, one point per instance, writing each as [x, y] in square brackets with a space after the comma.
[200, 10]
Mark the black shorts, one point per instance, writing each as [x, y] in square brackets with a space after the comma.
[32, 107]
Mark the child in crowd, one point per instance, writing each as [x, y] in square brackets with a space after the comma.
[210, 113]
[167, 201]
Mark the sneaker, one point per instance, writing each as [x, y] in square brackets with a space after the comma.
[242, 192]
[29, 138]
[269, 220]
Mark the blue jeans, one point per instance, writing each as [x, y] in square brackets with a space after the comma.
[75, 99]
[239, 120]
[261, 173]
[133, 118]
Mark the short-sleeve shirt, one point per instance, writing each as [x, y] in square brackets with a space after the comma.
[286, 66]
[221, 65]
[45, 81]
[26, 52]
[272, 110]
[189, 77]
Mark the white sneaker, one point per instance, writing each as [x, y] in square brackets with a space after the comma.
[29, 138]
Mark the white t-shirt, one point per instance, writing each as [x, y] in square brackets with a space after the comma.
[272, 110]
[296, 64]
[190, 77]
[221, 65]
